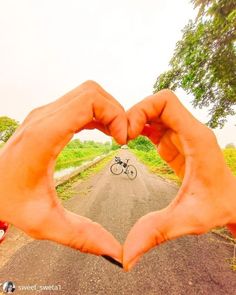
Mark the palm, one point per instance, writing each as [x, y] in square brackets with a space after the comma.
[181, 141]
[33, 150]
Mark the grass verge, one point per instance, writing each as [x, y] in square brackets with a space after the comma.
[224, 233]
[66, 190]
[233, 263]
[156, 165]
[75, 157]
[76, 152]
[230, 159]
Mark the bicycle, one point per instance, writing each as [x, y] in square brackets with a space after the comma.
[120, 166]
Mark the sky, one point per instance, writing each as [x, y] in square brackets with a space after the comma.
[49, 47]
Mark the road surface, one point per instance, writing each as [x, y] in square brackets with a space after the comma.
[193, 265]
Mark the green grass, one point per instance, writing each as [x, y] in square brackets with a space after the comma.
[75, 153]
[223, 232]
[156, 164]
[66, 190]
[233, 264]
[230, 158]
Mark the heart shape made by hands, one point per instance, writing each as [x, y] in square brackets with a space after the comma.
[28, 197]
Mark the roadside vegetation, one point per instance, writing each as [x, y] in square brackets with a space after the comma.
[7, 127]
[77, 152]
[147, 153]
[66, 190]
[230, 158]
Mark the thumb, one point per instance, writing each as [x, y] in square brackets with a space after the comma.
[80, 233]
[156, 228]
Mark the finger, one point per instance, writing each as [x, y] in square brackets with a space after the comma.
[96, 109]
[154, 132]
[166, 107]
[163, 106]
[80, 233]
[41, 111]
[160, 226]
[96, 125]
[47, 135]
[99, 113]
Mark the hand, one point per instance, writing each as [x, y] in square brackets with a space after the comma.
[27, 195]
[206, 197]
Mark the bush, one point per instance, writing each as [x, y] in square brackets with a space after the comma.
[141, 143]
[230, 158]
[77, 152]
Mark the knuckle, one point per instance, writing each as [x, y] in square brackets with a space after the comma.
[32, 114]
[28, 133]
[167, 94]
[36, 110]
[88, 96]
[90, 84]
[210, 134]
[166, 91]
[207, 135]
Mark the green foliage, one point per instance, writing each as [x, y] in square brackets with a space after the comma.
[141, 143]
[153, 160]
[233, 264]
[77, 152]
[204, 61]
[114, 145]
[7, 128]
[66, 190]
[230, 146]
[155, 163]
[230, 158]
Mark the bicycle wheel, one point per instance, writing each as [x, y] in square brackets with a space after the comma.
[116, 169]
[131, 172]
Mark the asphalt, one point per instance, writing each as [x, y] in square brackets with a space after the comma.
[193, 265]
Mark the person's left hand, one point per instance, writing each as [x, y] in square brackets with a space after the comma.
[27, 192]
[206, 198]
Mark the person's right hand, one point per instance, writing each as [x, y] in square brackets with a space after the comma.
[207, 196]
[27, 193]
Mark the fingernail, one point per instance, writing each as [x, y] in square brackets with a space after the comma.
[113, 260]
[132, 263]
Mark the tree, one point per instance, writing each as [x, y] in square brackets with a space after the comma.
[7, 128]
[141, 143]
[230, 146]
[204, 61]
[114, 145]
[107, 143]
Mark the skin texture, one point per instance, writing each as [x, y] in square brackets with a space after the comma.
[207, 196]
[27, 192]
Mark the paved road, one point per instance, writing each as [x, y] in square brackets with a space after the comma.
[192, 265]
